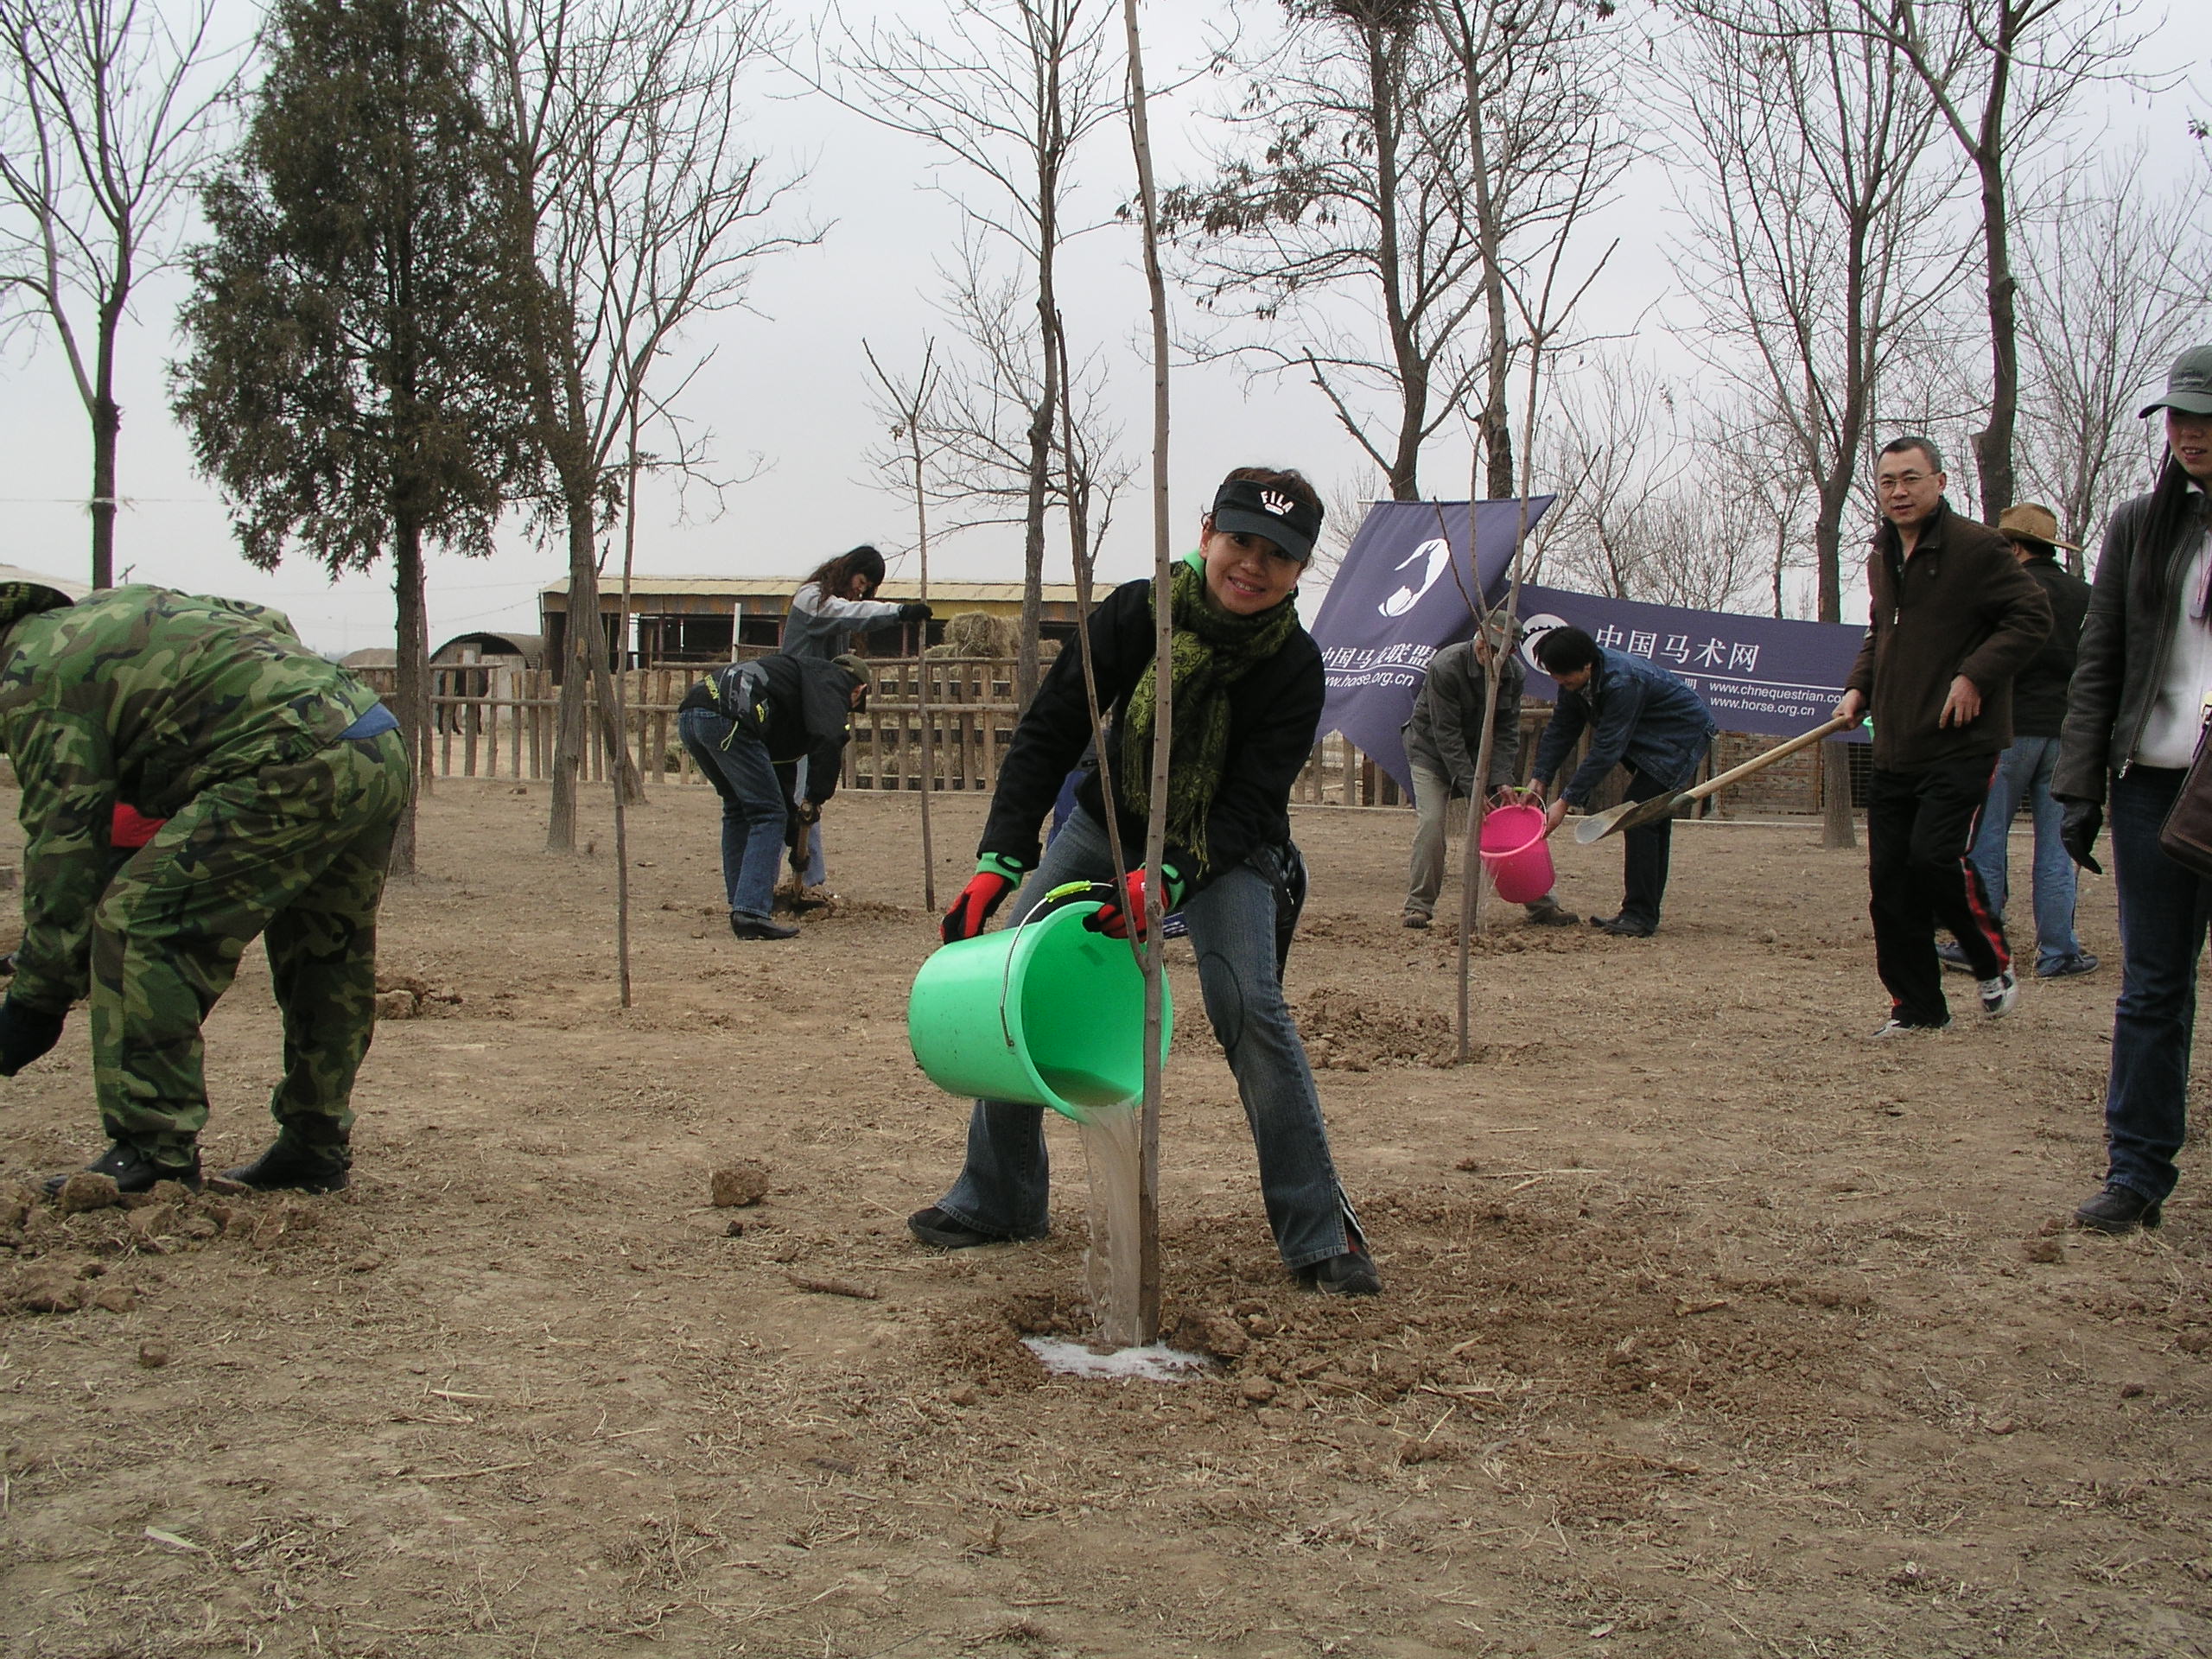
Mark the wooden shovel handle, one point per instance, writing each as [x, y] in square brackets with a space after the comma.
[1759, 762]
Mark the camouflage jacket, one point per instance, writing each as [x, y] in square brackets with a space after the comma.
[146, 697]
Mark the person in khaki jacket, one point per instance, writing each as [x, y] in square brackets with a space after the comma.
[1953, 619]
[1442, 738]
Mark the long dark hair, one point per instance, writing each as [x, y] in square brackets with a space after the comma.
[2163, 528]
[834, 576]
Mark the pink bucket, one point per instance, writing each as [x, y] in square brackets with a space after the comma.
[1514, 847]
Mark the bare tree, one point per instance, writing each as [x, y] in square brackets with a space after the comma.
[1006, 92]
[1999, 72]
[1346, 176]
[645, 212]
[980, 465]
[2113, 284]
[1532, 90]
[108, 115]
[1816, 250]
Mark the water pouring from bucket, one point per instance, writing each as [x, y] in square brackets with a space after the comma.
[1046, 1011]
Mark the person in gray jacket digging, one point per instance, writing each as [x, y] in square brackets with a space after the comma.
[1442, 739]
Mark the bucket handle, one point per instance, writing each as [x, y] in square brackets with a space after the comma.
[1067, 892]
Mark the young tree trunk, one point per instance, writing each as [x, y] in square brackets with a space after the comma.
[1838, 830]
[1155, 969]
[1993, 446]
[411, 695]
[578, 647]
[107, 424]
[1025, 674]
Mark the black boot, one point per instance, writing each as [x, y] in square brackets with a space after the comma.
[288, 1165]
[759, 927]
[2119, 1210]
[131, 1171]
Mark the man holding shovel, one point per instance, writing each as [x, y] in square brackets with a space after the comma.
[1638, 716]
[1953, 617]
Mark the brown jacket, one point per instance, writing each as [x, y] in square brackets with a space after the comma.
[1960, 605]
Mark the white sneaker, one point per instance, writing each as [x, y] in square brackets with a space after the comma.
[1998, 995]
[1895, 1027]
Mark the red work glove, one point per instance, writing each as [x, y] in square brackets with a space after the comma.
[996, 875]
[1113, 920]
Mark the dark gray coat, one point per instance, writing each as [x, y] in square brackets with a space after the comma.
[1446, 731]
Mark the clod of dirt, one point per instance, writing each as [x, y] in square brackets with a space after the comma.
[1219, 1335]
[1256, 1390]
[114, 1298]
[153, 1353]
[2133, 1390]
[410, 996]
[153, 1220]
[2044, 1249]
[48, 1290]
[737, 1184]
[396, 1004]
[85, 1191]
[735, 1230]
[365, 1264]
[16, 1209]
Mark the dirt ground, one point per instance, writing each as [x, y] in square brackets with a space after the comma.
[1709, 1326]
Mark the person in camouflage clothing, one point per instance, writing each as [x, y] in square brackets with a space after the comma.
[281, 779]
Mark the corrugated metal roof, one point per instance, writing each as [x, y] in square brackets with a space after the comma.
[782, 588]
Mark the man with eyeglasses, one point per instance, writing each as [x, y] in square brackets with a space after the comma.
[1953, 619]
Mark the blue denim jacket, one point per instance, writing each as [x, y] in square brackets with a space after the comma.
[1638, 714]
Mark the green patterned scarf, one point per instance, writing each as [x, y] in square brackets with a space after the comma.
[1213, 650]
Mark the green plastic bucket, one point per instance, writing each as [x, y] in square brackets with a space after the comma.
[1046, 1012]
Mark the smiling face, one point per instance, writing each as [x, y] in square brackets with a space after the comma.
[2190, 438]
[1246, 574]
[1908, 486]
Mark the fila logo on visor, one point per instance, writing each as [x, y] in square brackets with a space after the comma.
[1278, 504]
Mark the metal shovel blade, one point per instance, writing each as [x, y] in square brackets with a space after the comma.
[1629, 815]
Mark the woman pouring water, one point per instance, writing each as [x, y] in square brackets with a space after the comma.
[1247, 689]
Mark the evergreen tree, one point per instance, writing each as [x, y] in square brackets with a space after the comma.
[355, 381]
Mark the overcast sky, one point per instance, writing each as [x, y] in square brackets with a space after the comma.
[788, 389]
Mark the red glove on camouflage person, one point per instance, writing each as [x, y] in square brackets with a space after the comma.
[1113, 920]
[996, 875]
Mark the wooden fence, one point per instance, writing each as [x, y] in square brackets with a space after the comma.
[496, 721]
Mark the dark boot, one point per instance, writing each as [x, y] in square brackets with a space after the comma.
[759, 927]
[131, 1171]
[2119, 1210]
[288, 1165]
[1546, 912]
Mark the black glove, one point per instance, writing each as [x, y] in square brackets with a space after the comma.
[25, 1034]
[914, 611]
[2077, 834]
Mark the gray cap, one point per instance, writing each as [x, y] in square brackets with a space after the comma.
[2189, 383]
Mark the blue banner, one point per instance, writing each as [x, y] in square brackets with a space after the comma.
[1756, 674]
[1403, 594]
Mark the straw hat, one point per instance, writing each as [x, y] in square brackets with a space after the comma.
[2030, 522]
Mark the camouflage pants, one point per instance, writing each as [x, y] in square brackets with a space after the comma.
[296, 853]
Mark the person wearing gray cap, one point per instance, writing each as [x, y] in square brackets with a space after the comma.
[1443, 736]
[2135, 714]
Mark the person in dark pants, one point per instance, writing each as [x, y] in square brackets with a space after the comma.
[2142, 687]
[1443, 736]
[1637, 716]
[746, 725]
[2022, 776]
[1953, 617]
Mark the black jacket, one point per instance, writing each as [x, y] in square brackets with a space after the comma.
[2121, 664]
[800, 707]
[1446, 731]
[2039, 689]
[1273, 712]
[1959, 605]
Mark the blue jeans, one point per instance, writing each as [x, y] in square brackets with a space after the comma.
[2162, 912]
[753, 807]
[1004, 1187]
[2024, 774]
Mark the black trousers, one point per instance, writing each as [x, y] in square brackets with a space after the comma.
[1644, 855]
[1919, 825]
